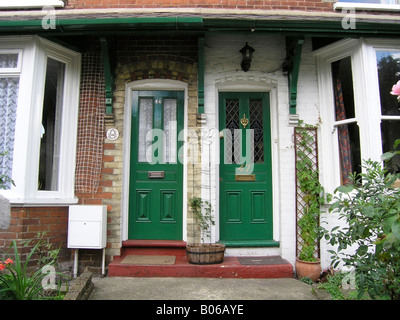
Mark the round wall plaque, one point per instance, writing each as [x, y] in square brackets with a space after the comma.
[112, 134]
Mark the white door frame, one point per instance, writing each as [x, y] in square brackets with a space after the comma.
[149, 85]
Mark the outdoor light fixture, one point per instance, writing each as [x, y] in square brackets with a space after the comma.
[247, 55]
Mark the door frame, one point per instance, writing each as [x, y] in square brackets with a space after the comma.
[148, 85]
[264, 229]
[270, 86]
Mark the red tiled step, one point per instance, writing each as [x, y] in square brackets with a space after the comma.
[153, 247]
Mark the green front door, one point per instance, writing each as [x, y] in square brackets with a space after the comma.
[155, 192]
[245, 169]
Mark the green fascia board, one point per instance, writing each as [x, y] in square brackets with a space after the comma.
[71, 25]
[305, 27]
[326, 27]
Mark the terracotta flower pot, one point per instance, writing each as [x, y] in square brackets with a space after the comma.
[308, 269]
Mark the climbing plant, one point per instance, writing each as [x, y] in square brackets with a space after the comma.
[310, 193]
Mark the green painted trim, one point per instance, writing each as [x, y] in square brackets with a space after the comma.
[98, 25]
[252, 243]
[304, 27]
[200, 108]
[109, 80]
[294, 48]
[299, 26]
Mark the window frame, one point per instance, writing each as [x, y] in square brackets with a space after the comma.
[31, 4]
[34, 54]
[366, 97]
[365, 6]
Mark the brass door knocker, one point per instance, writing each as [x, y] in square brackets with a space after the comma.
[244, 121]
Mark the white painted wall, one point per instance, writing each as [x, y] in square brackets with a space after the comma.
[223, 73]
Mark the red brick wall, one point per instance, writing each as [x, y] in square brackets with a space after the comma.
[134, 49]
[311, 5]
[160, 54]
[27, 222]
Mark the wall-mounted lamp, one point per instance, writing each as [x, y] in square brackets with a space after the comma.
[247, 55]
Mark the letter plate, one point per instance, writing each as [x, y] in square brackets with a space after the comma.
[155, 174]
[245, 177]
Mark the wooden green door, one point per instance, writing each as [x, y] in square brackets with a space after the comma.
[155, 192]
[245, 169]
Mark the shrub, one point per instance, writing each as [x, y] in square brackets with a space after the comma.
[370, 206]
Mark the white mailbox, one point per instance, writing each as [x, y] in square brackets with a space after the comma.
[87, 227]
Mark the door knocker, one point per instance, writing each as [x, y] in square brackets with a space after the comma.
[244, 121]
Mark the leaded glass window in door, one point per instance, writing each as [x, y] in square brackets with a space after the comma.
[233, 137]
[256, 125]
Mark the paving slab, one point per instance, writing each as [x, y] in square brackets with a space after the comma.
[149, 288]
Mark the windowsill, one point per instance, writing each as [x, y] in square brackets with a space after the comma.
[56, 202]
[366, 6]
[31, 4]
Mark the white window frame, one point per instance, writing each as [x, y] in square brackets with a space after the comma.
[365, 6]
[34, 54]
[31, 4]
[366, 97]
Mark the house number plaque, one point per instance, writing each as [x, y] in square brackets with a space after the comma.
[112, 134]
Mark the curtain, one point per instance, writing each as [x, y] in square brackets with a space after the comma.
[346, 166]
[8, 115]
[145, 125]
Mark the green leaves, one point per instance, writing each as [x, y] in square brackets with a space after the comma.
[396, 229]
[345, 189]
[370, 208]
[312, 194]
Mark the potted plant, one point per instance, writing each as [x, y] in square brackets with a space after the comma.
[204, 253]
[313, 197]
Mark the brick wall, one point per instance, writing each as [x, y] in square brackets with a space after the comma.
[27, 222]
[309, 5]
[137, 58]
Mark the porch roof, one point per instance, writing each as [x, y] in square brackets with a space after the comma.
[111, 21]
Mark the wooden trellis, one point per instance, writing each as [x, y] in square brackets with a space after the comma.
[308, 149]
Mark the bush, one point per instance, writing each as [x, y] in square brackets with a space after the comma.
[370, 206]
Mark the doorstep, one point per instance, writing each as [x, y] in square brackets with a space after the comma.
[231, 267]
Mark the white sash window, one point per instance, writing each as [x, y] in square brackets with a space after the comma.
[39, 97]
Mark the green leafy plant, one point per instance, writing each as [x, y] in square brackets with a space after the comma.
[313, 196]
[45, 252]
[5, 180]
[333, 284]
[203, 215]
[370, 208]
[17, 283]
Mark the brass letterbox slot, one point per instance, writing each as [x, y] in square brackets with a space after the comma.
[245, 177]
[155, 174]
